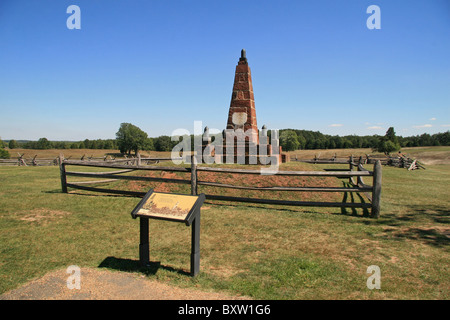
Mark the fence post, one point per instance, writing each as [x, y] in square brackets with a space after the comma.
[138, 159]
[359, 180]
[21, 160]
[193, 175]
[350, 179]
[62, 171]
[376, 193]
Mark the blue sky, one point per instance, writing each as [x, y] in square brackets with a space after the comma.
[162, 65]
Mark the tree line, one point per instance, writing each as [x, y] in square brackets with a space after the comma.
[44, 143]
[130, 138]
[293, 139]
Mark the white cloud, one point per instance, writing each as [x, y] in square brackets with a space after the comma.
[423, 126]
[433, 119]
[375, 128]
[336, 125]
[445, 125]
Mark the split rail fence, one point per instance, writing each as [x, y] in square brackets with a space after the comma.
[21, 160]
[400, 161]
[373, 192]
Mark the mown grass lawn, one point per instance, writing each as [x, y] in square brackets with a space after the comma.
[266, 252]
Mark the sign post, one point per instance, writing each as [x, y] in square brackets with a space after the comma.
[144, 244]
[195, 246]
[170, 207]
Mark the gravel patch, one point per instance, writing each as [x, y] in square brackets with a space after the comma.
[107, 285]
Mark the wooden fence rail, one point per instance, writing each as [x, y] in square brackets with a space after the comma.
[373, 192]
[21, 161]
[400, 161]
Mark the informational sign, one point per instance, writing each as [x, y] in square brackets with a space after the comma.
[172, 207]
[169, 206]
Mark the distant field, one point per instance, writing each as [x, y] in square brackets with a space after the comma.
[262, 251]
[430, 155]
[427, 155]
[77, 153]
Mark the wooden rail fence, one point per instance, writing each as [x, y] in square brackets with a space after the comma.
[373, 192]
[400, 161]
[20, 160]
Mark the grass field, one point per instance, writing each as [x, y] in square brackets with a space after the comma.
[265, 252]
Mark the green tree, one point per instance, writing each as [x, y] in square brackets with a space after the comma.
[390, 135]
[108, 144]
[331, 144]
[43, 143]
[389, 143]
[13, 144]
[289, 140]
[388, 147]
[443, 138]
[163, 143]
[149, 144]
[130, 138]
[346, 144]
[4, 154]
[301, 141]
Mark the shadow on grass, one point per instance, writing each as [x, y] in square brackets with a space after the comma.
[417, 214]
[354, 212]
[430, 236]
[129, 265]
[434, 214]
[427, 224]
[52, 191]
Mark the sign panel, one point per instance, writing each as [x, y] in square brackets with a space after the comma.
[169, 206]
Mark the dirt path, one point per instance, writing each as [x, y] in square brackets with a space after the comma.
[107, 285]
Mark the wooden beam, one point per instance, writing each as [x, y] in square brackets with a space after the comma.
[123, 192]
[290, 173]
[289, 202]
[121, 166]
[307, 189]
[136, 178]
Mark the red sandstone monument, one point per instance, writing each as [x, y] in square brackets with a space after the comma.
[242, 113]
[242, 142]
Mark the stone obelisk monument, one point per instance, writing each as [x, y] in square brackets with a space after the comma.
[242, 113]
[241, 139]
